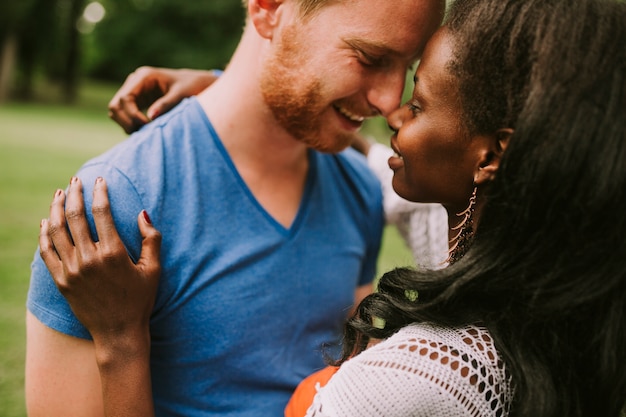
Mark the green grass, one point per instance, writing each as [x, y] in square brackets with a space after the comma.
[41, 147]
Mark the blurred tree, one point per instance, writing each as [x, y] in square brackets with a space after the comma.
[71, 65]
[172, 33]
[53, 39]
[40, 37]
[12, 14]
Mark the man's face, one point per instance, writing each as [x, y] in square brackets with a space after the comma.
[344, 63]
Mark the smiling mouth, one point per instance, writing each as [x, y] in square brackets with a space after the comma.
[349, 115]
[396, 153]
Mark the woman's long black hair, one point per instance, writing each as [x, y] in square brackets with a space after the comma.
[546, 273]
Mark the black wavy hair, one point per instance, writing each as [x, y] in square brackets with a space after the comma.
[546, 273]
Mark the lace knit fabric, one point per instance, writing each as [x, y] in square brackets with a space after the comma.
[424, 227]
[421, 371]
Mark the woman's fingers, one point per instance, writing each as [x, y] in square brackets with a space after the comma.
[57, 228]
[150, 259]
[55, 245]
[76, 219]
[109, 239]
[48, 252]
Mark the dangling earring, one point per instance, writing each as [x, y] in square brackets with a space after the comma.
[463, 239]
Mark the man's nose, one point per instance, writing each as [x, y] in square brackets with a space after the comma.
[385, 93]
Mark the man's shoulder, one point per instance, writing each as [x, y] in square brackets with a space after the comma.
[169, 135]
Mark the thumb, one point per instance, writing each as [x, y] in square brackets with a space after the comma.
[164, 104]
[150, 258]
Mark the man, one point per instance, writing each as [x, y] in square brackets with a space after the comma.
[266, 233]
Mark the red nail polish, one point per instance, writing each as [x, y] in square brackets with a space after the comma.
[146, 217]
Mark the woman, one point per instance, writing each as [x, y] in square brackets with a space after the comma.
[529, 318]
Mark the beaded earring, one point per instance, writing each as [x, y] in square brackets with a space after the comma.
[461, 242]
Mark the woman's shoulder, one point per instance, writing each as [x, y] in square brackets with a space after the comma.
[444, 345]
[424, 370]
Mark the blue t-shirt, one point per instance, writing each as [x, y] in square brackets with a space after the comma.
[244, 305]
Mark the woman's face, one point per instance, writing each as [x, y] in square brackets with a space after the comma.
[435, 156]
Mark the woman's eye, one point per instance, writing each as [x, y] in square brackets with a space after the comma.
[414, 107]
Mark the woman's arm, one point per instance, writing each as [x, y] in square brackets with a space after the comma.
[158, 90]
[110, 295]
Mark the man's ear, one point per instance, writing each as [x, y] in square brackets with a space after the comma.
[491, 156]
[264, 15]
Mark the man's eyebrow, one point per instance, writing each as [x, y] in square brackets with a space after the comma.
[378, 49]
[372, 47]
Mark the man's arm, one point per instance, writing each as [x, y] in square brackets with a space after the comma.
[360, 293]
[62, 377]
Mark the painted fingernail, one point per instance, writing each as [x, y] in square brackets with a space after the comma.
[57, 193]
[73, 180]
[146, 217]
[99, 180]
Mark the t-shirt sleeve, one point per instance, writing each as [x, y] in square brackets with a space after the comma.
[44, 300]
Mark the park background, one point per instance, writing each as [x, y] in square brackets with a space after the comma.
[60, 63]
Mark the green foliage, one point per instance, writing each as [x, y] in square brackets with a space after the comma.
[180, 33]
[12, 14]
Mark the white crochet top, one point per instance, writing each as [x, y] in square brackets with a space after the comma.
[421, 371]
[424, 227]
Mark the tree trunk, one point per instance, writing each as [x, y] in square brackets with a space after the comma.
[72, 63]
[8, 51]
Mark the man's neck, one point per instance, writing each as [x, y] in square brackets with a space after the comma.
[239, 114]
[273, 164]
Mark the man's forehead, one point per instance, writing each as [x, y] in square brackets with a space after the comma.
[385, 27]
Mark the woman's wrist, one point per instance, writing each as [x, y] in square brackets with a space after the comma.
[124, 364]
[122, 348]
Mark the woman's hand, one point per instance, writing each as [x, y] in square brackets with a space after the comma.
[159, 88]
[110, 295]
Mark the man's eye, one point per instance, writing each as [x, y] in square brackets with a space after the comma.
[369, 60]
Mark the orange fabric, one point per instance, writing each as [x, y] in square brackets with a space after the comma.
[302, 397]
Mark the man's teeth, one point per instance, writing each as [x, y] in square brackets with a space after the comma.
[349, 115]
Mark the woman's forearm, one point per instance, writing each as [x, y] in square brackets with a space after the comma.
[124, 363]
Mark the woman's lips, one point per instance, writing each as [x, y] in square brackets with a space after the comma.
[395, 162]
